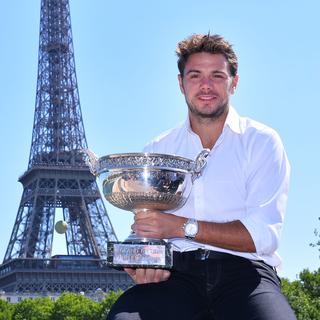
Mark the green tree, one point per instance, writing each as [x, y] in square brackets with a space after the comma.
[71, 306]
[317, 243]
[107, 302]
[303, 294]
[6, 310]
[33, 309]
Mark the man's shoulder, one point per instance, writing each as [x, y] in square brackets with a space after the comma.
[248, 128]
[169, 134]
[163, 141]
[251, 128]
[259, 138]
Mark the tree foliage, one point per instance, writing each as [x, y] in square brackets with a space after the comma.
[317, 243]
[6, 310]
[303, 294]
[33, 309]
[71, 306]
[107, 303]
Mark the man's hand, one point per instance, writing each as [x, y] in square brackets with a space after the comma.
[141, 276]
[155, 224]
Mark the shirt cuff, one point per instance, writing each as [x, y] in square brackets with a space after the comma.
[265, 236]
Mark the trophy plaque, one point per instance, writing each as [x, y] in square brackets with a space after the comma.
[140, 182]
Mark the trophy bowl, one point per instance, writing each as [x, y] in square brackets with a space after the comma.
[141, 182]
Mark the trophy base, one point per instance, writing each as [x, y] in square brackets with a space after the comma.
[134, 238]
[140, 253]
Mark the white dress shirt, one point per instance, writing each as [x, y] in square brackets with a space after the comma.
[246, 178]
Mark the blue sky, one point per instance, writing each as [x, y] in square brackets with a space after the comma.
[127, 78]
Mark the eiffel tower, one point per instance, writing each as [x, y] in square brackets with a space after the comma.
[58, 177]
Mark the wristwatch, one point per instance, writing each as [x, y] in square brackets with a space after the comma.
[190, 228]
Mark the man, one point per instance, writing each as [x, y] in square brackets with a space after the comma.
[226, 236]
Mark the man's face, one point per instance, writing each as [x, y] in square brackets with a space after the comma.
[207, 85]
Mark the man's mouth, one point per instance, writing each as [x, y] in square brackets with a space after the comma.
[206, 97]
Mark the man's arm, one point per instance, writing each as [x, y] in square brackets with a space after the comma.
[155, 224]
[230, 235]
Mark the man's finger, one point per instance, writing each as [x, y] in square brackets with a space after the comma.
[150, 275]
[140, 276]
[131, 272]
[161, 275]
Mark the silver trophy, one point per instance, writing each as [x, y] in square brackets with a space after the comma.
[141, 182]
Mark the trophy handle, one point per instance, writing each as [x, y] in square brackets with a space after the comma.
[199, 163]
[92, 161]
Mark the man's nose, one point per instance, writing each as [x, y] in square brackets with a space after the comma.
[206, 83]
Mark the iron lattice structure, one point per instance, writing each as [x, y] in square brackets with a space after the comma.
[57, 174]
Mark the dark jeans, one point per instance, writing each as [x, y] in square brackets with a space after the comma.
[218, 287]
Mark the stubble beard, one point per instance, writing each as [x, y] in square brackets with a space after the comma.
[214, 115]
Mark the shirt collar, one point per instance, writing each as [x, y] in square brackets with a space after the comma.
[232, 121]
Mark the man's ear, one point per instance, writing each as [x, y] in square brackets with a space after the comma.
[181, 83]
[234, 83]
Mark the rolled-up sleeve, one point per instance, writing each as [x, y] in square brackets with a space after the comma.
[267, 192]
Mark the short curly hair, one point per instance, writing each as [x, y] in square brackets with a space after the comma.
[214, 44]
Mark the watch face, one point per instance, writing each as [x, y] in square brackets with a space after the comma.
[191, 229]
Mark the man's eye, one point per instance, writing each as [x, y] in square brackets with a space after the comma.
[194, 76]
[218, 76]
